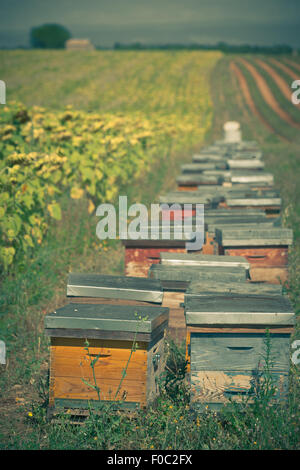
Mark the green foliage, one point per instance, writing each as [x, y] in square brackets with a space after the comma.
[49, 36]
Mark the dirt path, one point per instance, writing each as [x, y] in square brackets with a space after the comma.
[286, 69]
[268, 95]
[247, 95]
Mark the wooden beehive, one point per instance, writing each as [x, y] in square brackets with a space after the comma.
[142, 253]
[226, 338]
[184, 203]
[120, 338]
[175, 279]
[271, 205]
[214, 218]
[265, 249]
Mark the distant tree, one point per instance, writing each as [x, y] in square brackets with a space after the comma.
[49, 36]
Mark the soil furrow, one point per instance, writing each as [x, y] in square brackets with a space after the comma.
[268, 95]
[247, 95]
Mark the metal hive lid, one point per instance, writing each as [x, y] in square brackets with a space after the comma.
[239, 224]
[254, 201]
[198, 178]
[255, 237]
[239, 310]
[142, 319]
[247, 177]
[199, 167]
[114, 287]
[190, 259]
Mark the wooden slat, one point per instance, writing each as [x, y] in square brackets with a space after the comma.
[69, 361]
[172, 299]
[272, 274]
[213, 288]
[261, 256]
[235, 351]
[220, 386]
[75, 388]
[97, 343]
[103, 300]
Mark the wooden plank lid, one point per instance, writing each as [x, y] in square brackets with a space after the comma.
[114, 287]
[199, 167]
[123, 318]
[273, 236]
[252, 177]
[175, 276]
[247, 163]
[239, 224]
[235, 309]
[209, 288]
[191, 179]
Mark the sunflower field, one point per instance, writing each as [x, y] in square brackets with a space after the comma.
[134, 109]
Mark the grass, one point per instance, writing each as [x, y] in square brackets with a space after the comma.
[38, 286]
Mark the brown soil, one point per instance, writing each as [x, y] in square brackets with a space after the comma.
[293, 64]
[268, 95]
[286, 69]
[247, 95]
[280, 82]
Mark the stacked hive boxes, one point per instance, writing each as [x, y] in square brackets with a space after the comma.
[220, 299]
[105, 319]
[226, 322]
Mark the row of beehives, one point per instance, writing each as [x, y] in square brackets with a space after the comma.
[220, 300]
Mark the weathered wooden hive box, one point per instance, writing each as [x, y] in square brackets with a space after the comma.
[228, 345]
[265, 249]
[180, 205]
[120, 338]
[213, 218]
[271, 205]
[142, 253]
[117, 290]
[175, 279]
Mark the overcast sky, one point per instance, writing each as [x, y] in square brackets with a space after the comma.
[156, 21]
